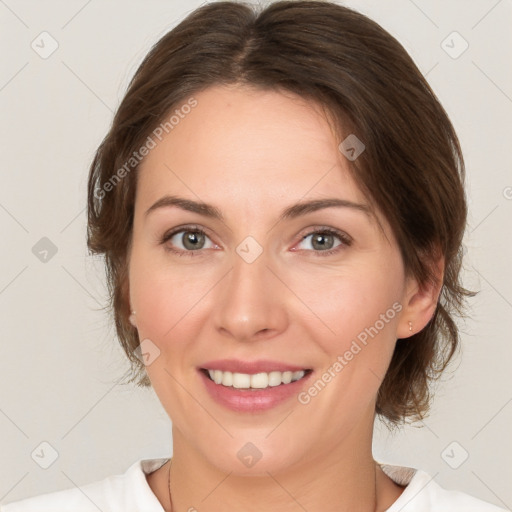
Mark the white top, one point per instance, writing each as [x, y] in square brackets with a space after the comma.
[130, 492]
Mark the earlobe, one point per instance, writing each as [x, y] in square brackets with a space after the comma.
[133, 319]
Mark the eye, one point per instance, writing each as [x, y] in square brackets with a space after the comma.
[188, 239]
[323, 239]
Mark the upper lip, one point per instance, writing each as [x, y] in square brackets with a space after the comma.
[251, 367]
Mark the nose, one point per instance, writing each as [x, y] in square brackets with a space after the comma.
[251, 301]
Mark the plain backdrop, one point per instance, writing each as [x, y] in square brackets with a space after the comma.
[60, 359]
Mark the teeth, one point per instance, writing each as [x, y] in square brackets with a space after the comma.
[255, 381]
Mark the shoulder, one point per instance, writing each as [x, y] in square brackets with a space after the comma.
[127, 491]
[423, 494]
[71, 499]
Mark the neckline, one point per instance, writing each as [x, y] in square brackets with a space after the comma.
[401, 475]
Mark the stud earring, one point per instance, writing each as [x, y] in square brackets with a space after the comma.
[132, 319]
[410, 326]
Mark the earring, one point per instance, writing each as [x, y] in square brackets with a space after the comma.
[132, 319]
[410, 326]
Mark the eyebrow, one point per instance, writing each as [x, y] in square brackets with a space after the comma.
[291, 212]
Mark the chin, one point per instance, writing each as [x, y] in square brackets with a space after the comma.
[241, 457]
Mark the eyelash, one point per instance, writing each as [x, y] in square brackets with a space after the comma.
[344, 238]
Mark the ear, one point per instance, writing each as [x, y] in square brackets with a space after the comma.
[420, 301]
[127, 304]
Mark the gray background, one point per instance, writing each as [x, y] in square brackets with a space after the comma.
[59, 356]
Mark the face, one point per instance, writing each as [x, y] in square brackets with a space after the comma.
[319, 289]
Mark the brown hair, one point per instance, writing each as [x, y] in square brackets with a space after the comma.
[412, 168]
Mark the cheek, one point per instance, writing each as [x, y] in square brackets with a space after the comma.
[167, 302]
[359, 309]
[166, 298]
[354, 296]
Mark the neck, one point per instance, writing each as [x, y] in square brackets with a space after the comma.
[338, 478]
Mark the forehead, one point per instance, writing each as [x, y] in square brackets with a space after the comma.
[241, 142]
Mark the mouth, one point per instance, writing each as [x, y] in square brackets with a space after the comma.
[254, 381]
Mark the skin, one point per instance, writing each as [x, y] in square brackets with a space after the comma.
[252, 153]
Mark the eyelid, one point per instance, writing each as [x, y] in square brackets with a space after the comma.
[345, 239]
[187, 227]
[327, 229]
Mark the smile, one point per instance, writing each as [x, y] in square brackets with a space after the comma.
[256, 392]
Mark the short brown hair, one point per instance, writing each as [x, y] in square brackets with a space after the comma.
[412, 168]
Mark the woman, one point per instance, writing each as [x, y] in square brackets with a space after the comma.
[280, 202]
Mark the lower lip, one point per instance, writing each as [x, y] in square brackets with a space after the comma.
[251, 400]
